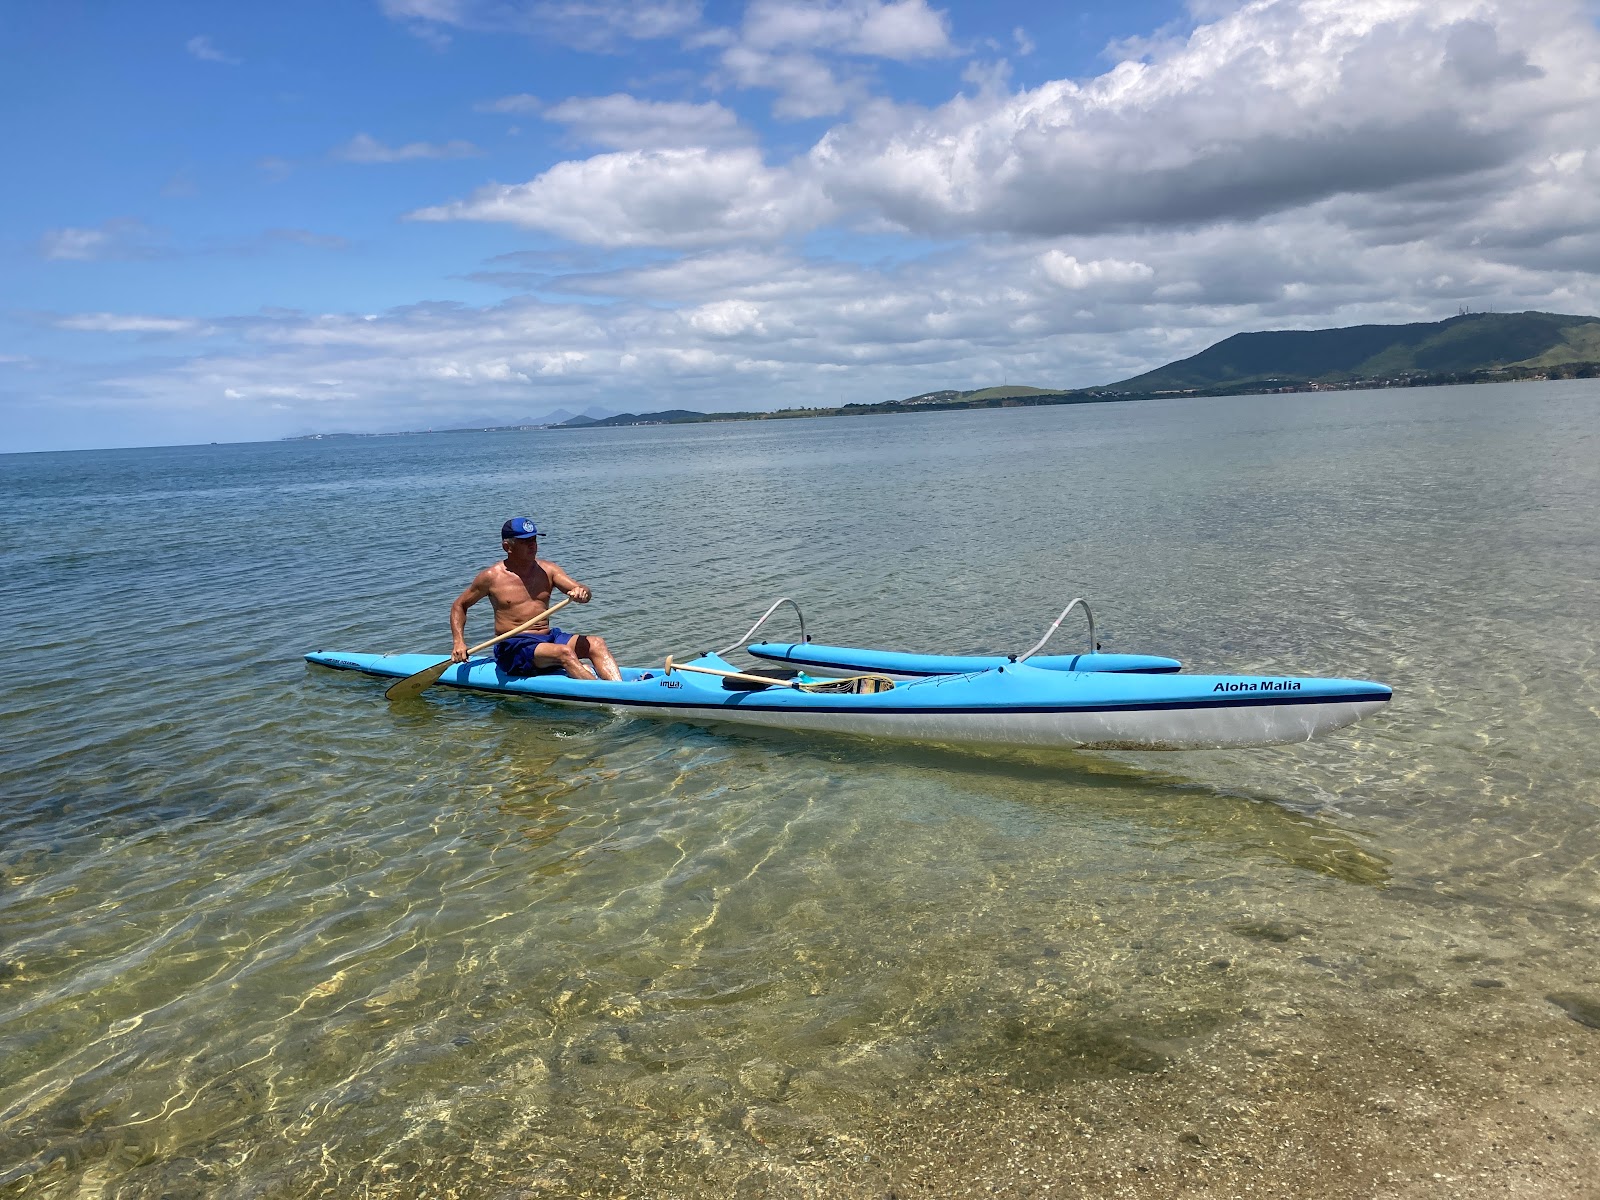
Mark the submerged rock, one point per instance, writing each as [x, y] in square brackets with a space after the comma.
[1582, 1009]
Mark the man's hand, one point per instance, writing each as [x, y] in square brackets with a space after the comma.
[458, 652]
[580, 593]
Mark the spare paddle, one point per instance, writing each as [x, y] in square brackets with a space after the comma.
[856, 685]
[415, 685]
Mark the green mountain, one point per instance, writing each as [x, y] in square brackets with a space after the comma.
[1473, 342]
[1013, 392]
[1471, 348]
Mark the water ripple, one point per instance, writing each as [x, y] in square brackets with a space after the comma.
[265, 936]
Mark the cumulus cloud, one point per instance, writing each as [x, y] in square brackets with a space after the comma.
[680, 198]
[1278, 104]
[1066, 271]
[1285, 164]
[364, 148]
[625, 122]
[742, 323]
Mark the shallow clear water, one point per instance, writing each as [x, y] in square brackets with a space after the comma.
[262, 934]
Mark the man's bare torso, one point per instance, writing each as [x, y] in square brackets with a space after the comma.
[516, 598]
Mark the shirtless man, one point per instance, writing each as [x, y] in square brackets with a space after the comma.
[519, 588]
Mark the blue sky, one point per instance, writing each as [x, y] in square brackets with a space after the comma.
[232, 222]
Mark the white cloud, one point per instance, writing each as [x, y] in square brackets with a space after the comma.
[1279, 104]
[522, 102]
[780, 44]
[205, 50]
[903, 30]
[625, 122]
[759, 275]
[125, 239]
[683, 198]
[364, 148]
[742, 322]
[727, 318]
[587, 24]
[806, 86]
[1289, 164]
[78, 245]
[1066, 271]
[105, 322]
[119, 238]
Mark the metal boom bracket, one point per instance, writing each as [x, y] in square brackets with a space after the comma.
[752, 630]
[1077, 601]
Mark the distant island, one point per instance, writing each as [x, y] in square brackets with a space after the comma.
[1467, 348]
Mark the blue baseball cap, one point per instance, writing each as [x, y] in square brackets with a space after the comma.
[518, 528]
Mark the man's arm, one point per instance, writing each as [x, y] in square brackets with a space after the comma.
[475, 591]
[567, 583]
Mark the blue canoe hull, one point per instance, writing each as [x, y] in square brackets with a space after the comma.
[852, 660]
[1014, 705]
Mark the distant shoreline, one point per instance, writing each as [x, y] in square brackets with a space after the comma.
[1021, 398]
[1466, 348]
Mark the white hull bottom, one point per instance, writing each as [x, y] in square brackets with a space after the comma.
[1200, 728]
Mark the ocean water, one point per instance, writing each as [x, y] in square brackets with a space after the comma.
[264, 935]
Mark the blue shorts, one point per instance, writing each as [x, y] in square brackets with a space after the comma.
[514, 656]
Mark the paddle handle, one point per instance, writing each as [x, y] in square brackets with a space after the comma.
[544, 616]
[761, 679]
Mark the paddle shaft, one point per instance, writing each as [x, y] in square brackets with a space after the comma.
[414, 685]
[500, 637]
[761, 679]
[855, 683]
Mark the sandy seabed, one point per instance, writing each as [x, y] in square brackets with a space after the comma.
[1482, 1093]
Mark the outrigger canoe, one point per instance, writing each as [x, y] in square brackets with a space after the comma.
[1008, 704]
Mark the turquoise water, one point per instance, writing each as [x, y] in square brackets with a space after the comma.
[262, 934]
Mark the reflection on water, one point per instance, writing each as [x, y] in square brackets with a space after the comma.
[262, 934]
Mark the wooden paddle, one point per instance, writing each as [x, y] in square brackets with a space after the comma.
[415, 685]
[855, 685]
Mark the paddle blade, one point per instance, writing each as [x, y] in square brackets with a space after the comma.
[414, 685]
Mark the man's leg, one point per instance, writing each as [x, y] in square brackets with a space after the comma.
[597, 652]
[548, 654]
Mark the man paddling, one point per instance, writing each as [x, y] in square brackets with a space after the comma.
[519, 589]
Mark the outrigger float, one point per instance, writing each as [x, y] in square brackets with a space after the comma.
[1090, 701]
